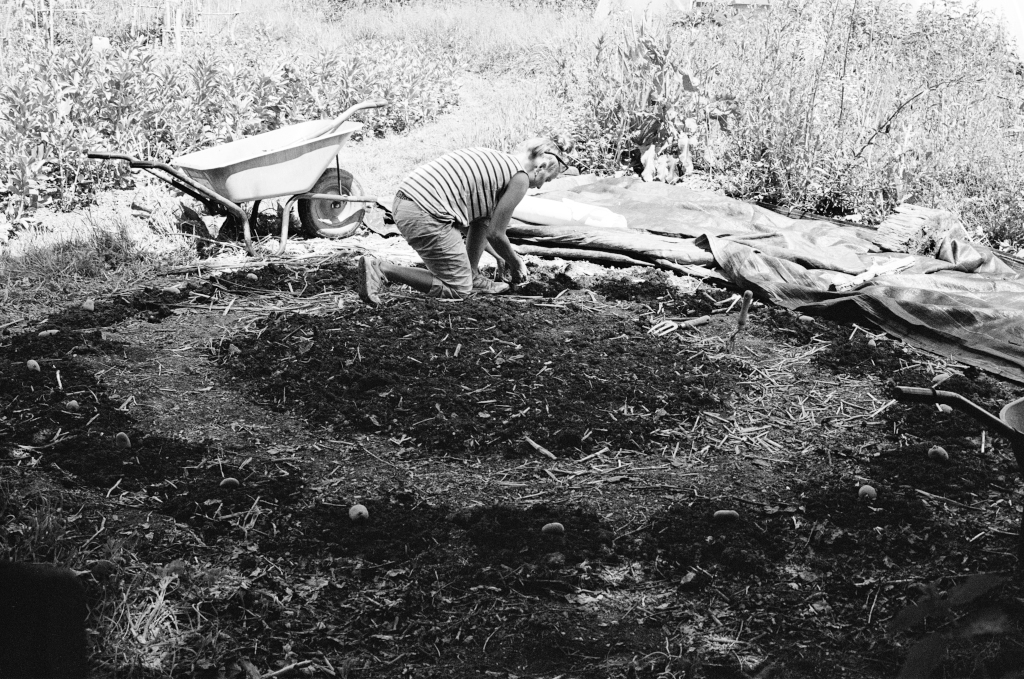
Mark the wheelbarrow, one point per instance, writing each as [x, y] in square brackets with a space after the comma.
[1009, 423]
[291, 161]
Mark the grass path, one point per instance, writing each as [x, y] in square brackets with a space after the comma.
[492, 111]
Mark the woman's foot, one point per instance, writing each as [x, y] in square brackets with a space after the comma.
[371, 280]
[484, 285]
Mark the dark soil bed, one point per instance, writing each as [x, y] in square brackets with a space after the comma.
[561, 407]
[480, 378]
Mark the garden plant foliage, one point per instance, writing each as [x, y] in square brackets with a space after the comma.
[841, 107]
[156, 104]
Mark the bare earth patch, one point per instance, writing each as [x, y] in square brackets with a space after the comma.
[260, 410]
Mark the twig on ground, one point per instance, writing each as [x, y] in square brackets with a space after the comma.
[539, 448]
[932, 496]
[288, 668]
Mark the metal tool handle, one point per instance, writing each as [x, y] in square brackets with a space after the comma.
[370, 103]
[336, 197]
[103, 155]
[925, 395]
[137, 163]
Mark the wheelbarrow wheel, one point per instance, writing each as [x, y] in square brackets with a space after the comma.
[328, 218]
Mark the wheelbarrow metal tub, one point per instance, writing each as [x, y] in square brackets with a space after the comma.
[1013, 415]
[283, 162]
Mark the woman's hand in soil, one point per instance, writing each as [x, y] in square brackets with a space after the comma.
[520, 275]
[502, 272]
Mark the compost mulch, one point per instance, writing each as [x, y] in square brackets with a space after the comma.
[464, 428]
[481, 378]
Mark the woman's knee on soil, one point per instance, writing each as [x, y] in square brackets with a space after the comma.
[459, 289]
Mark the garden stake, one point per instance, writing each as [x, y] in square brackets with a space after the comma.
[741, 323]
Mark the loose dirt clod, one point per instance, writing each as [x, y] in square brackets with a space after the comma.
[102, 569]
[89, 304]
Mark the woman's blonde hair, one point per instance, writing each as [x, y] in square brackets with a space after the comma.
[558, 143]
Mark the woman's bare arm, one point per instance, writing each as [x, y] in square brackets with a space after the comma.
[514, 193]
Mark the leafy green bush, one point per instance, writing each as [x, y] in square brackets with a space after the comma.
[135, 99]
[841, 107]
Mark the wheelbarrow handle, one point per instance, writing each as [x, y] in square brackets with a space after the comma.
[337, 197]
[104, 155]
[185, 184]
[133, 161]
[369, 103]
[137, 163]
[925, 395]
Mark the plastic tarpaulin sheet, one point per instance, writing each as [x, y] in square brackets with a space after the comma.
[962, 303]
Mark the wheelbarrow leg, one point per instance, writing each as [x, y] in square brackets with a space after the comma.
[250, 226]
[248, 239]
[286, 218]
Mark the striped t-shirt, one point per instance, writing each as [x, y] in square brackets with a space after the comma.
[461, 185]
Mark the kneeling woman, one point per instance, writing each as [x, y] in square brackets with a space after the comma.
[475, 189]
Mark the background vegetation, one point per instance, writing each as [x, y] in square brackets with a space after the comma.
[843, 107]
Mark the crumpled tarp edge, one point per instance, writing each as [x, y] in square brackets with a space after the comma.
[891, 319]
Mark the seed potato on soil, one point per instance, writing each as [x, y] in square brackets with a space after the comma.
[452, 572]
